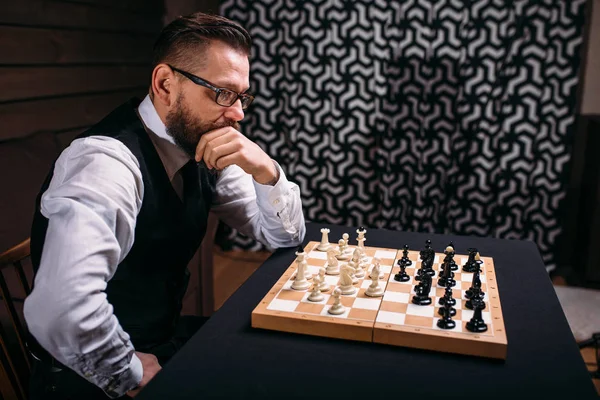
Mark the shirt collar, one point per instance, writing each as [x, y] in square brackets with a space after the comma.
[171, 155]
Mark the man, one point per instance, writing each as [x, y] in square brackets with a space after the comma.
[125, 208]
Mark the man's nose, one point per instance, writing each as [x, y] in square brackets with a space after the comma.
[235, 112]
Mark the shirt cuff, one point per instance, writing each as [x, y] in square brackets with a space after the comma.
[129, 380]
[273, 194]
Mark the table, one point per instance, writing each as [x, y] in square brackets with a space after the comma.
[228, 357]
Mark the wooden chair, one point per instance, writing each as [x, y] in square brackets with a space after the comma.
[14, 357]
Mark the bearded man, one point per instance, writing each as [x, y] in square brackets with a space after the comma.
[125, 208]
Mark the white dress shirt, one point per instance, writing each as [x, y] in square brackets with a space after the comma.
[91, 204]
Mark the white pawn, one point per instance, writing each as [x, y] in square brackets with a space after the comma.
[332, 262]
[300, 282]
[342, 252]
[355, 263]
[374, 290]
[323, 286]
[345, 282]
[316, 295]
[337, 308]
[376, 267]
[324, 245]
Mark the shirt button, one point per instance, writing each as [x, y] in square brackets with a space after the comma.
[275, 202]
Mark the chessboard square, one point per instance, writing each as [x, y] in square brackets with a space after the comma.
[316, 254]
[387, 317]
[385, 254]
[332, 279]
[314, 270]
[421, 311]
[316, 263]
[392, 306]
[386, 269]
[395, 286]
[397, 297]
[367, 282]
[290, 294]
[282, 305]
[312, 308]
[414, 320]
[362, 314]
[457, 276]
[367, 303]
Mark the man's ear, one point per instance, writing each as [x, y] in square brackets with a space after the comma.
[164, 85]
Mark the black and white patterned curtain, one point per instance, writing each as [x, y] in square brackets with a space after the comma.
[448, 116]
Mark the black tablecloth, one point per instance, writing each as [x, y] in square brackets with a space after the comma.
[228, 357]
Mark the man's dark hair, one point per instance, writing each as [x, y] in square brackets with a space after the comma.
[182, 41]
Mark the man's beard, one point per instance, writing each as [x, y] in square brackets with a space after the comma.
[187, 131]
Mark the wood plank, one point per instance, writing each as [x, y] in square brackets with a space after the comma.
[21, 45]
[137, 6]
[31, 82]
[43, 13]
[25, 118]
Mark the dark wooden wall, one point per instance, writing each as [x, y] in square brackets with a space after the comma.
[63, 66]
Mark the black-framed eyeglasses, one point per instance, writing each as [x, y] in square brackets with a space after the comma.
[224, 97]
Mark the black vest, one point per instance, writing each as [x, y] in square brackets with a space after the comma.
[148, 287]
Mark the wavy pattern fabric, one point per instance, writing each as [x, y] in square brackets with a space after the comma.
[440, 116]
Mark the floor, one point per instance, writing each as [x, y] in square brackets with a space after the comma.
[232, 268]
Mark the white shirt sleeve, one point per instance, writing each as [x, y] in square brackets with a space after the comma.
[270, 214]
[91, 204]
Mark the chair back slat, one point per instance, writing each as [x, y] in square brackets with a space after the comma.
[9, 368]
[14, 317]
[17, 371]
[22, 278]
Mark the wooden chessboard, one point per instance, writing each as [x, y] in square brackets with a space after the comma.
[392, 319]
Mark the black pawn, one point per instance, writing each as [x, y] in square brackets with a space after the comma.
[477, 324]
[446, 322]
[402, 276]
[447, 297]
[447, 278]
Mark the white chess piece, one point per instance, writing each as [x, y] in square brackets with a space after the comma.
[376, 267]
[361, 237]
[332, 262]
[337, 308]
[374, 290]
[316, 295]
[300, 283]
[343, 253]
[302, 260]
[355, 263]
[324, 245]
[345, 282]
[323, 285]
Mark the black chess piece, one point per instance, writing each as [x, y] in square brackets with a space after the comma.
[405, 258]
[475, 284]
[477, 324]
[447, 297]
[469, 267]
[422, 291]
[446, 322]
[402, 276]
[447, 279]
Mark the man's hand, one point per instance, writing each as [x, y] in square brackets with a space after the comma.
[226, 146]
[151, 367]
